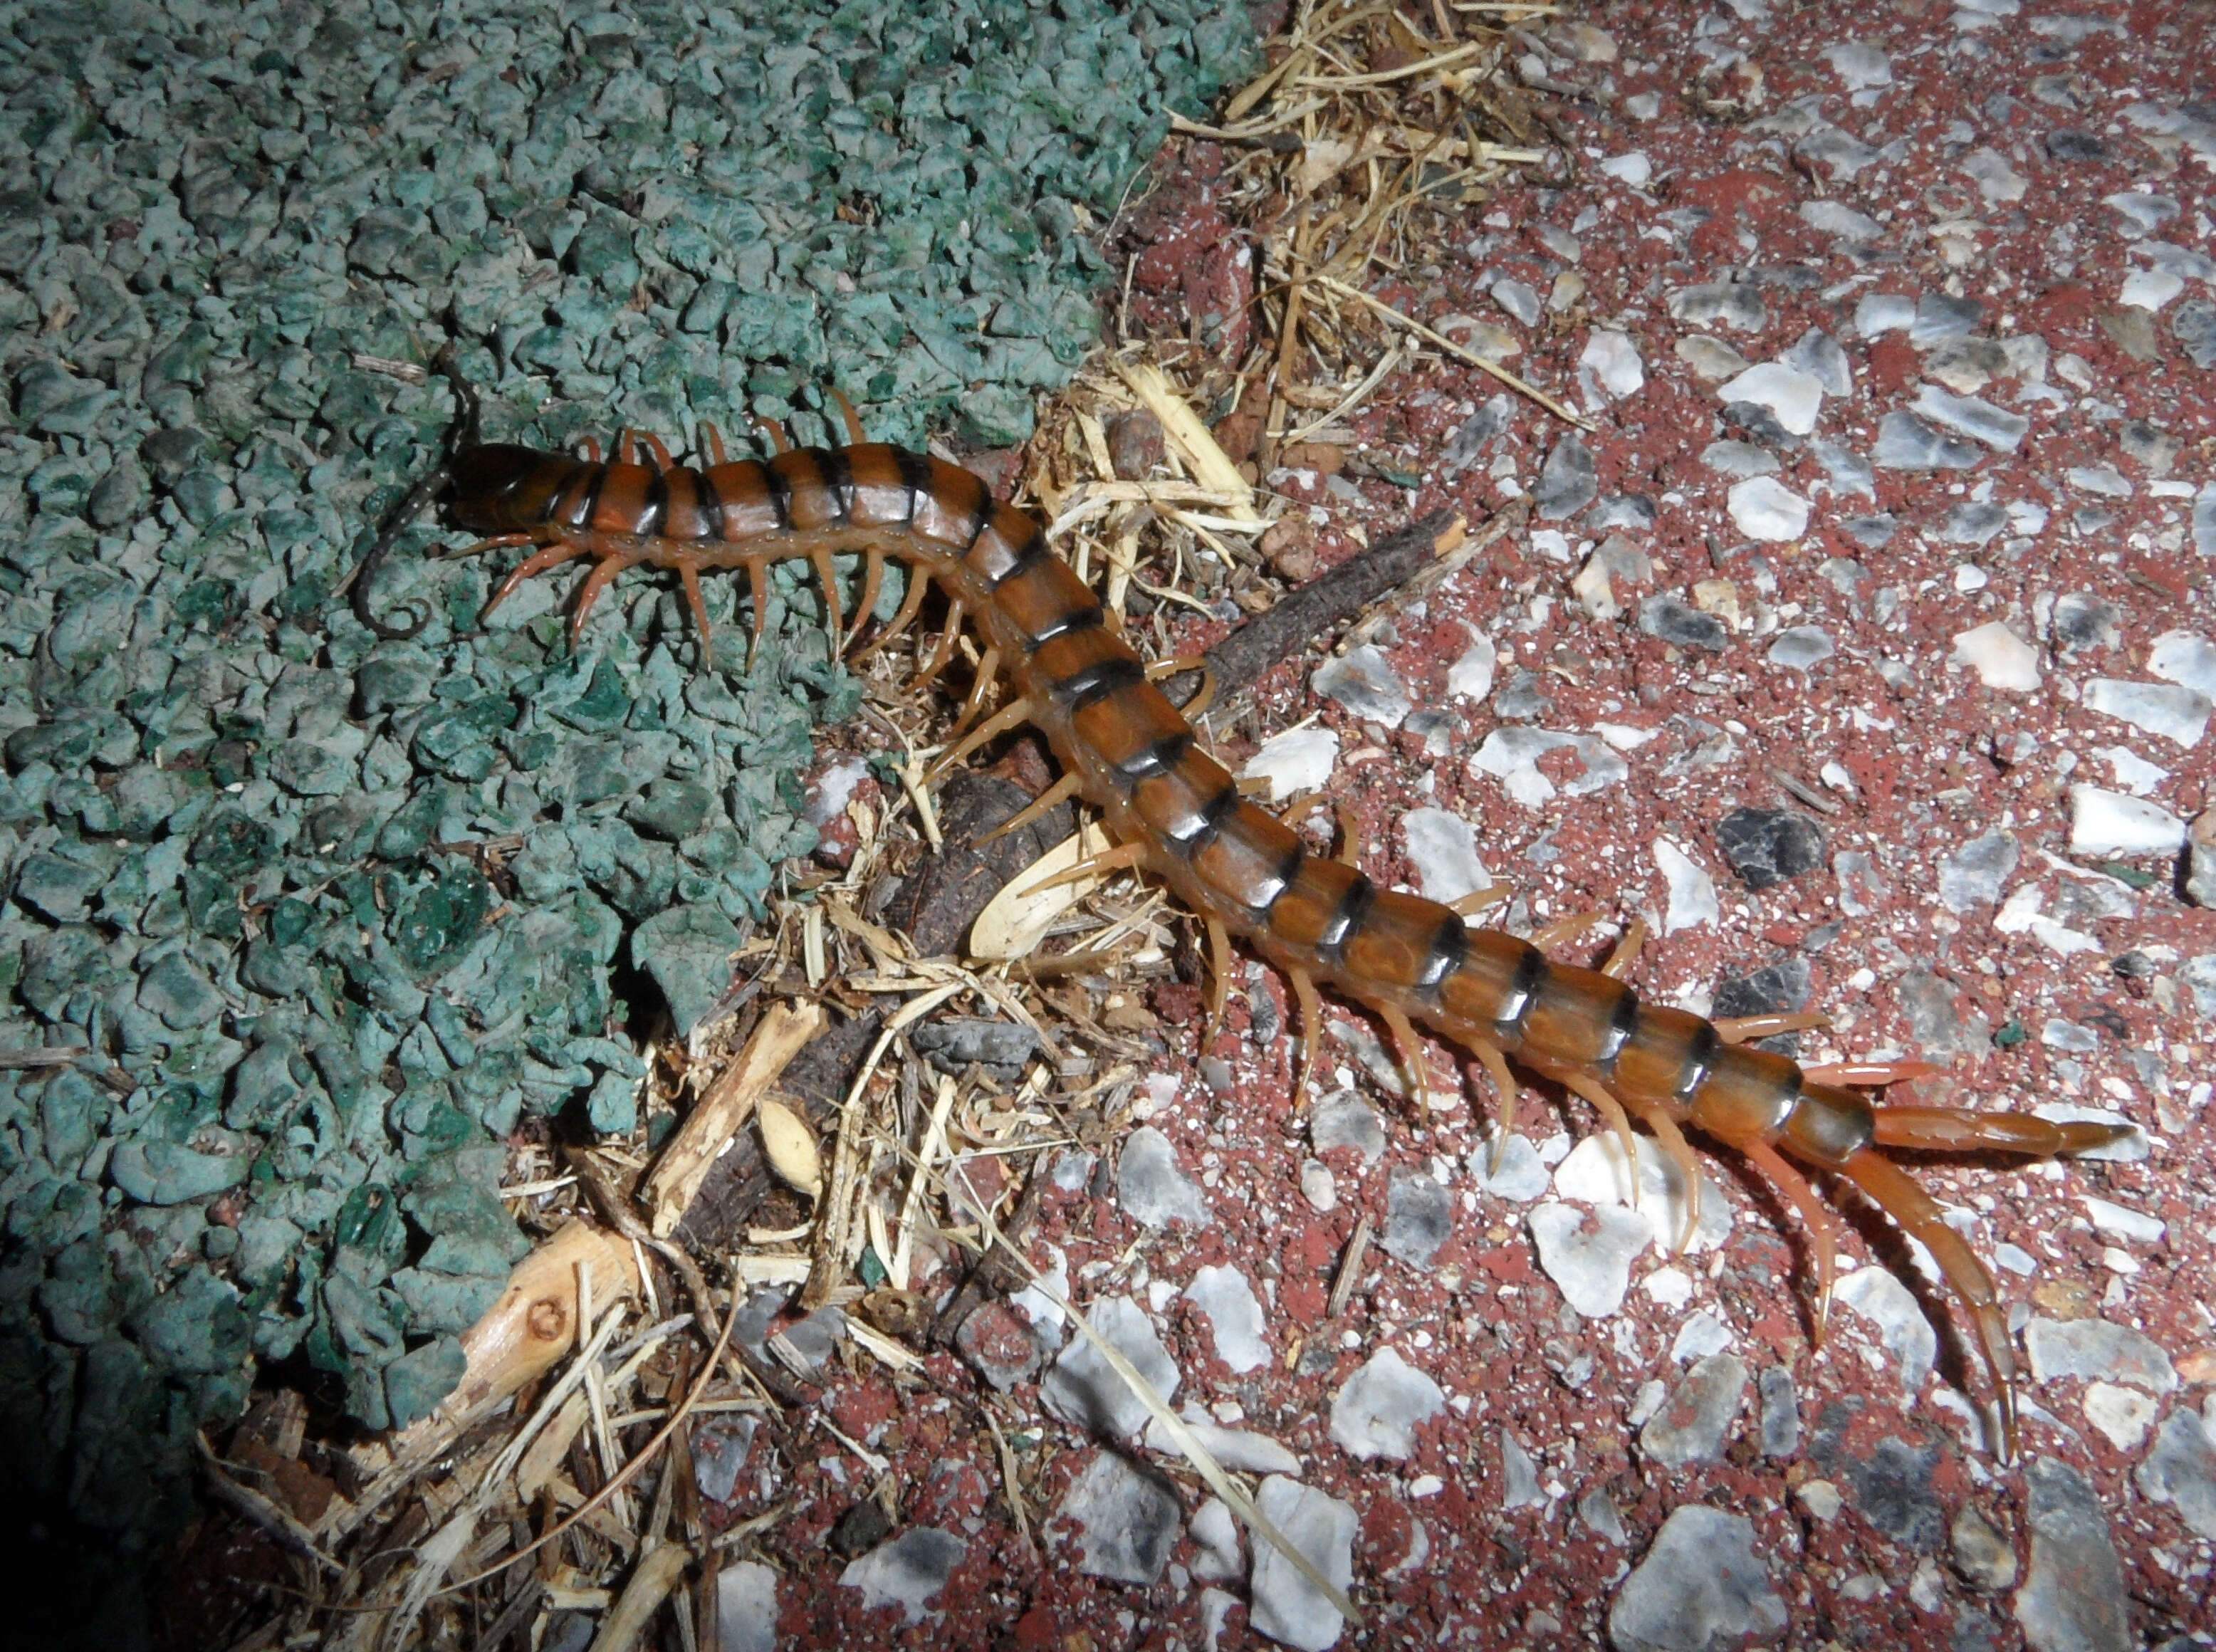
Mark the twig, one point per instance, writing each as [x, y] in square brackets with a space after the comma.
[1461, 352]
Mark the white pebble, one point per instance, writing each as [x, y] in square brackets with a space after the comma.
[1471, 675]
[2189, 661]
[2170, 710]
[1299, 760]
[1692, 891]
[2118, 1221]
[2000, 658]
[1765, 508]
[1795, 398]
[2109, 822]
[1443, 848]
[2122, 1413]
[1613, 361]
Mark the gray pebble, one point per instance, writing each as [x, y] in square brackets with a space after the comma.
[1151, 1187]
[1768, 845]
[1905, 442]
[1972, 877]
[1420, 1218]
[1127, 1520]
[2181, 1470]
[1083, 1389]
[1700, 1587]
[1676, 620]
[2073, 1596]
[1568, 482]
[1985, 1559]
[1780, 1412]
[1691, 1424]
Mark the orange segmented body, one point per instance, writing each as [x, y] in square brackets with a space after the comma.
[1179, 816]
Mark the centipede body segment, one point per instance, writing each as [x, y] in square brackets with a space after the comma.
[1179, 817]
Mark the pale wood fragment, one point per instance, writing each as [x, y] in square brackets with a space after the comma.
[675, 1180]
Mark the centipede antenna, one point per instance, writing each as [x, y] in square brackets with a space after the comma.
[464, 431]
[853, 420]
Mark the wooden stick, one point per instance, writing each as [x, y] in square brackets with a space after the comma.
[675, 1180]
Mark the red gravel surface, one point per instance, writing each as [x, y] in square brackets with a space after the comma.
[1710, 134]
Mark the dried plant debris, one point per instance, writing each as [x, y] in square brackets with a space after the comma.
[303, 924]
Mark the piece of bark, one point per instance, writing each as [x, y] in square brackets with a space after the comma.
[676, 1178]
[1321, 606]
[944, 895]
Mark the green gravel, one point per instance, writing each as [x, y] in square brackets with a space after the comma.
[243, 840]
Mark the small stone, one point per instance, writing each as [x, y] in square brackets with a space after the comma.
[1149, 1185]
[1134, 443]
[1287, 1608]
[1000, 1344]
[1692, 891]
[1568, 482]
[1214, 1534]
[1997, 180]
[907, 1573]
[1520, 1176]
[1612, 361]
[1877, 314]
[1893, 1490]
[1792, 397]
[1972, 877]
[1518, 298]
[2128, 1226]
[1443, 848]
[1675, 621]
[1701, 1587]
[1476, 434]
[1420, 1218]
[1710, 358]
[2112, 824]
[1871, 532]
[746, 1606]
[2185, 659]
[1764, 508]
[1977, 525]
[1344, 1119]
[1781, 1413]
[1842, 223]
[1968, 416]
[1377, 1411]
[1984, 1558]
[2122, 1413]
[2105, 480]
[1739, 460]
[2074, 144]
[1724, 303]
[1522, 1475]
[1592, 1270]
[2097, 1348]
[1940, 319]
[2181, 1470]
[1299, 760]
[2173, 711]
[2073, 1597]
[1903, 1328]
[1690, 1427]
[1603, 1519]
[720, 1448]
[1768, 845]
[1127, 1520]
[1362, 679]
[2193, 325]
[2000, 658]
[1318, 1187]
[1083, 1389]
[1235, 1316]
[1905, 442]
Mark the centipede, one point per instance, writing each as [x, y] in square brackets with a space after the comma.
[1173, 813]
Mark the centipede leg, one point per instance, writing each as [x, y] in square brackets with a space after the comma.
[835, 622]
[779, 442]
[1619, 1121]
[1618, 967]
[1478, 900]
[1561, 931]
[653, 446]
[873, 576]
[498, 542]
[1897, 1194]
[1055, 795]
[590, 447]
[589, 593]
[911, 605]
[712, 440]
[853, 420]
[1305, 995]
[988, 669]
[758, 586]
[1219, 986]
[1203, 696]
[1000, 723]
[689, 571]
[1816, 1216]
[945, 651]
[1667, 1136]
[555, 554]
[1413, 1064]
[1121, 858]
[1504, 1084]
[1738, 1029]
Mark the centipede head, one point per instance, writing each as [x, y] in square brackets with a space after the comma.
[498, 485]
